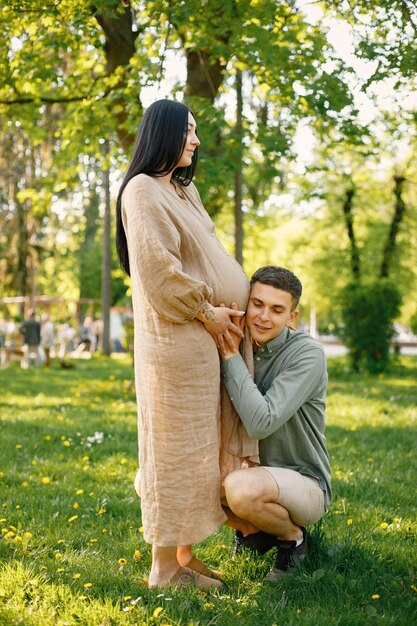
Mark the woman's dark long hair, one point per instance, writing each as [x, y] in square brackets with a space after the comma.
[159, 145]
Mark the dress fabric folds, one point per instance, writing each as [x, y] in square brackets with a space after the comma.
[177, 263]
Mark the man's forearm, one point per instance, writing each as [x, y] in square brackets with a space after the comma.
[248, 401]
[263, 415]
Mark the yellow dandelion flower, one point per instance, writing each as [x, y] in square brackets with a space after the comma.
[9, 534]
[60, 541]
[45, 480]
[91, 494]
[2, 520]
[85, 458]
[384, 525]
[4, 530]
[208, 605]
[376, 596]
[141, 529]
[19, 446]
[34, 462]
[137, 554]
[17, 506]
[28, 535]
[25, 483]
[76, 576]
[122, 562]
[75, 505]
[67, 443]
[101, 511]
[93, 540]
[104, 530]
[63, 437]
[59, 556]
[353, 427]
[79, 492]
[88, 585]
[47, 438]
[349, 522]
[17, 539]
[414, 588]
[397, 520]
[158, 611]
[126, 598]
[60, 570]
[72, 518]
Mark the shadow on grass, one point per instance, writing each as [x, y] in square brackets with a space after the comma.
[55, 380]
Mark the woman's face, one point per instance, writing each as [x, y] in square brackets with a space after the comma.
[191, 143]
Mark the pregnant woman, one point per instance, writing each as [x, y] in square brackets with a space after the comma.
[180, 274]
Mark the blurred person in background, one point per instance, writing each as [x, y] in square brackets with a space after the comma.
[31, 331]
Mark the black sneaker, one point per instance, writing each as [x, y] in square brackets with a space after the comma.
[288, 558]
[257, 543]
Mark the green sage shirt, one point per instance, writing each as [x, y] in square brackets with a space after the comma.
[285, 407]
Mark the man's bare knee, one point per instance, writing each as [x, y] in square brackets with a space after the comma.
[242, 491]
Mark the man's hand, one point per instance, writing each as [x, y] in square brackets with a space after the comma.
[220, 322]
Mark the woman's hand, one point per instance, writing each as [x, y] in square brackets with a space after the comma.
[220, 322]
[240, 322]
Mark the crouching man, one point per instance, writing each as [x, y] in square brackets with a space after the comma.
[270, 505]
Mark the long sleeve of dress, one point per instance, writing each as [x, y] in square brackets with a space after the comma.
[154, 245]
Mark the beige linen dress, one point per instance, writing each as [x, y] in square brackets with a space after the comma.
[177, 263]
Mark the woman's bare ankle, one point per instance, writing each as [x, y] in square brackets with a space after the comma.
[163, 577]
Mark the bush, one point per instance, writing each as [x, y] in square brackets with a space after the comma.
[368, 312]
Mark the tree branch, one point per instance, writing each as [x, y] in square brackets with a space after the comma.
[62, 99]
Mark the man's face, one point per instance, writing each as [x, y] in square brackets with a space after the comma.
[268, 312]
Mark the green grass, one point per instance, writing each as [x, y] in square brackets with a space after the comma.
[364, 547]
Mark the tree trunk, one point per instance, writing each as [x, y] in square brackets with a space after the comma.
[397, 218]
[204, 75]
[106, 266]
[354, 252]
[22, 248]
[238, 171]
[119, 48]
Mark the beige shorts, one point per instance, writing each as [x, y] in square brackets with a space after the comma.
[301, 495]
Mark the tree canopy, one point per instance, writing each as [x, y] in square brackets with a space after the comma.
[73, 75]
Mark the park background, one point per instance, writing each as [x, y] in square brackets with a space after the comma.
[307, 117]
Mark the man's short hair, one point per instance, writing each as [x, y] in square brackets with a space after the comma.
[280, 278]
